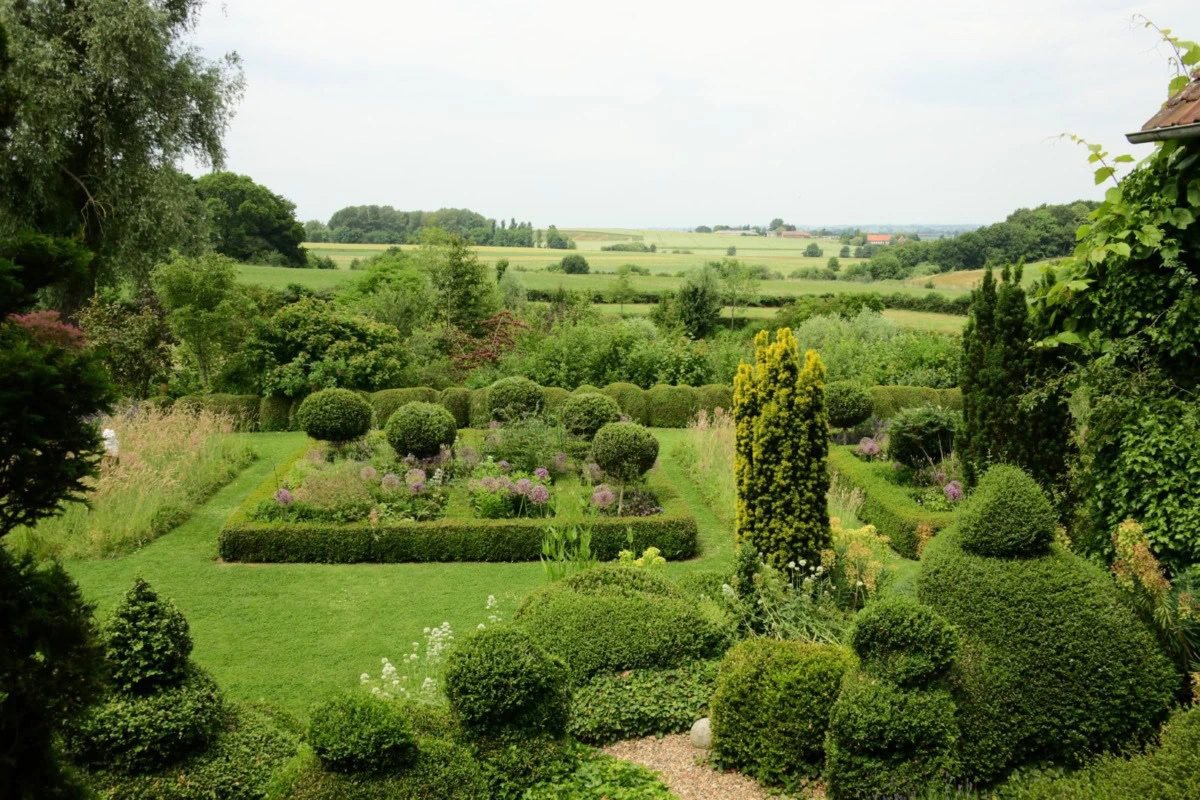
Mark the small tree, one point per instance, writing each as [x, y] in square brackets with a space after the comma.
[740, 285]
[845, 251]
[731, 251]
[834, 265]
[201, 299]
[698, 303]
[813, 251]
[575, 264]
[621, 291]
[133, 342]
[781, 442]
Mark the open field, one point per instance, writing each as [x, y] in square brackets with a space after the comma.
[910, 320]
[970, 278]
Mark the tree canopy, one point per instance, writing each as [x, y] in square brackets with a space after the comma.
[249, 222]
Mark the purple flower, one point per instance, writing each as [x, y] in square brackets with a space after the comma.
[494, 424]
[523, 486]
[410, 460]
[953, 491]
[603, 497]
[505, 466]
[414, 476]
[940, 478]
[868, 447]
[417, 487]
[368, 473]
[542, 474]
[560, 462]
[539, 495]
[594, 471]
[490, 483]
[283, 497]
[391, 481]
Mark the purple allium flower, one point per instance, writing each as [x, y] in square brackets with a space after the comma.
[539, 495]
[410, 460]
[490, 483]
[594, 471]
[368, 473]
[417, 487]
[414, 476]
[523, 486]
[542, 474]
[283, 497]
[560, 462]
[940, 478]
[391, 481]
[494, 424]
[868, 447]
[603, 497]
[505, 466]
[953, 491]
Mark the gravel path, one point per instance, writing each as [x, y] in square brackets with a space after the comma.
[683, 769]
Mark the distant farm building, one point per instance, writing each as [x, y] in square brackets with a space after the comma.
[879, 238]
[793, 234]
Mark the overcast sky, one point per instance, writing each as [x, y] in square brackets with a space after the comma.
[661, 114]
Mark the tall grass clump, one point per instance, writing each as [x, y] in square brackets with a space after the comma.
[168, 463]
[707, 453]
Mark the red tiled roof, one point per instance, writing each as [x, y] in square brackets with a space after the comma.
[879, 237]
[1182, 109]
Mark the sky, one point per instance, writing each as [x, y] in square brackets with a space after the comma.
[671, 114]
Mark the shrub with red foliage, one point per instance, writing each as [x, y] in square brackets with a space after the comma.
[47, 328]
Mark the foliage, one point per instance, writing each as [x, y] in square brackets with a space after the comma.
[707, 454]
[147, 642]
[641, 702]
[249, 222]
[356, 732]
[887, 400]
[888, 741]
[602, 776]
[574, 264]
[526, 444]
[781, 442]
[585, 414]
[1037, 631]
[899, 640]
[392, 289]
[457, 401]
[671, 406]
[132, 340]
[625, 450]
[1007, 516]
[771, 707]
[868, 348]
[513, 398]
[921, 436]
[848, 404]
[464, 291]
[420, 429]
[443, 769]
[386, 225]
[497, 337]
[334, 415]
[567, 550]
[697, 307]
[387, 401]
[499, 679]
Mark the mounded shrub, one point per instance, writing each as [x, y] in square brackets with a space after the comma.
[716, 395]
[273, 414]
[1054, 666]
[514, 761]
[625, 450]
[513, 398]
[615, 579]
[771, 707]
[631, 399]
[585, 388]
[334, 415]
[420, 430]
[443, 769]
[553, 398]
[887, 741]
[386, 401]
[671, 406]
[481, 412]
[887, 400]
[357, 732]
[457, 401]
[584, 414]
[147, 642]
[641, 702]
[498, 679]
[1007, 516]
[920, 436]
[902, 641]
[848, 404]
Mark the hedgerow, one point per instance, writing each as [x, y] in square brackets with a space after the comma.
[386, 402]
[632, 400]
[886, 401]
[671, 406]
[457, 401]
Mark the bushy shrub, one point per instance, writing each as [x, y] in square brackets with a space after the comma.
[886, 741]
[921, 436]
[273, 414]
[387, 401]
[421, 430]
[771, 707]
[147, 642]
[902, 641]
[584, 414]
[443, 769]
[641, 702]
[671, 406]
[602, 776]
[481, 412]
[631, 399]
[586, 388]
[625, 450]
[849, 404]
[458, 402]
[716, 395]
[514, 761]
[514, 398]
[334, 415]
[574, 264]
[1007, 516]
[1054, 666]
[886, 401]
[553, 398]
[526, 443]
[357, 732]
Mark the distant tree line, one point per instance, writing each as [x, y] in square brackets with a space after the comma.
[386, 225]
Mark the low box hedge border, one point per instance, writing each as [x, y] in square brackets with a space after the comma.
[885, 505]
[673, 532]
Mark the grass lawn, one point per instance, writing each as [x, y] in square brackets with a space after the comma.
[291, 633]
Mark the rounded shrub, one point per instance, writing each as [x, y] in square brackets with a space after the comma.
[334, 415]
[671, 406]
[357, 732]
[514, 398]
[615, 579]
[900, 640]
[457, 401]
[920, 436]
[1055, 667]
[584, 414]
[420, 430]
[481, 414]
[631, 399]
[887, 741]
[146, 641]
[625, 450]
[499, 679]
[574, 264]
[585, 388]
[848, 404]
[273, 414]
[1007, 516]
[387, 401]
[716, 395]
[771, 707]
[553, 398]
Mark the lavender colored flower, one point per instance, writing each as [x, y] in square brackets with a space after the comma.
[868, 447]
[368, 473]
[410, 460]
[414, 476]
[603, 497]
[560, 462]
[490, 483]
[283, 497]
[416, 488]
[539, 495]
[542, 474]
[953, 491]
[494, 424]
[391, 481]
[523, 486]
[594, 471]
[505, 466]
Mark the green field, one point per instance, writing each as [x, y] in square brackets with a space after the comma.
[910, 320]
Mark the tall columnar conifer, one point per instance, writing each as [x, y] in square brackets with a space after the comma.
[782, 440]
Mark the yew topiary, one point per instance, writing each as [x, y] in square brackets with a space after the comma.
[334, 415]
[1007, 516]
[147, 642]
[421, 430]
[514, 398]
[584, 414]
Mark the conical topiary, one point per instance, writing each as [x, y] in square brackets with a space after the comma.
[1007, 516]
[147, 642]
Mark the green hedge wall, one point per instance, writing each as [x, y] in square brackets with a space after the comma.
[672, 406]
[457, 401]
[480, 413]
[885, 505]
[387, 401]
[632, 400]
[887, 400]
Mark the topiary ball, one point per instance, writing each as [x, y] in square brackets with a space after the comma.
[848, 404]
[903, 641]
[584, 414]
[625, 450]
[1007, 516]
[420, 430]
[497, 679]
[147, 642]
[357, 732]
[513, 398]
[334, 415]
[921, 436]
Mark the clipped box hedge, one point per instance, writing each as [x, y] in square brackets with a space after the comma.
[885, 505]
[887, 400]
[673, 532]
